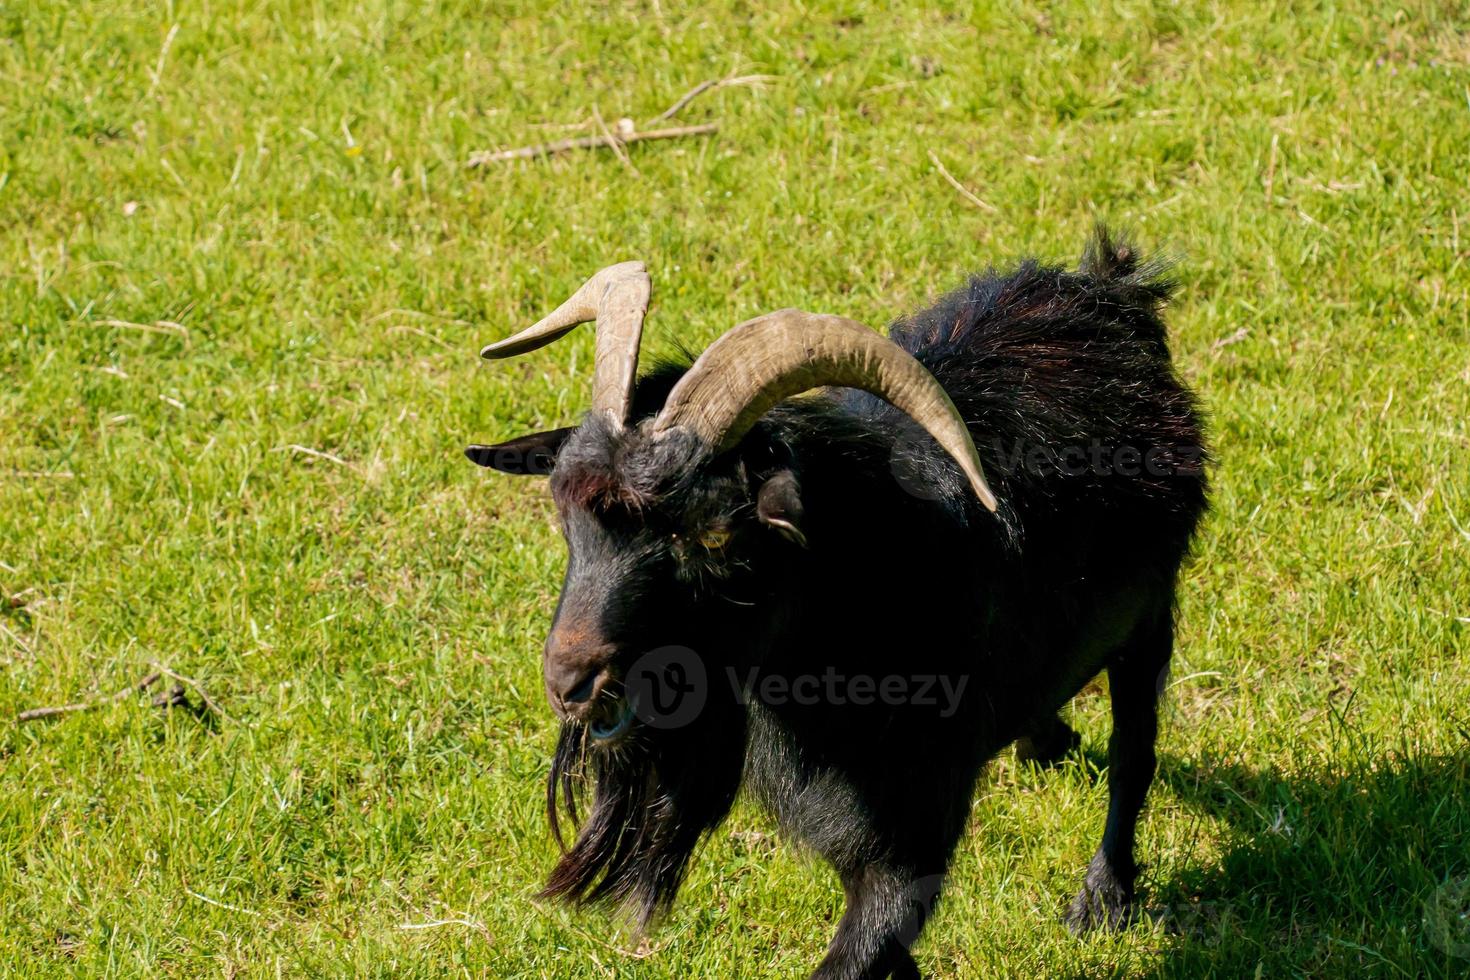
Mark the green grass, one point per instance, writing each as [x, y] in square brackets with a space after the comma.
[286, 183]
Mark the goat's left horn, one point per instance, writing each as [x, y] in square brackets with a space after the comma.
[744, 373]
[617, 299]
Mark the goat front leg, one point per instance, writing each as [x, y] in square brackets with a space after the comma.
[1135, 677]
[886, 911]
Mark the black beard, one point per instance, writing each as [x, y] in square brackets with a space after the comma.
[655, 794]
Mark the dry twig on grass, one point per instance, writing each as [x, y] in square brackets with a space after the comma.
[624, 132]
[35, 714]
[174, 697]
[209, 704]
[587, 143]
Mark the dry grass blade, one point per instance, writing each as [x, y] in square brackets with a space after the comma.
[705, 86]
[439, 923]
[158, 326]
[218, 904]
[1271, 167]
[1229, 340]
[315, 453]
[156, 74]
[614, 143]
[405, 328]
[25, 647]
[396, 311]
[982, 205]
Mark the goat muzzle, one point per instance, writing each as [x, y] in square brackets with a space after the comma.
[577, 669]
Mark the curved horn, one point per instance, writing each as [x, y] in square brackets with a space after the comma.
[742, 375]
[617, 298]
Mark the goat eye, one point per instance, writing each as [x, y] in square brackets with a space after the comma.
[715, 538]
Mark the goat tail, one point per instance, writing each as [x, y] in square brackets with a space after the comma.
[1108, 255]
[1112, 262]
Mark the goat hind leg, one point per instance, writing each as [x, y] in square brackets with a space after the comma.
[886, 910]
[1135, 675]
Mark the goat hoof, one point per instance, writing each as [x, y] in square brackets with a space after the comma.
[1104, 903]
[1096, 912]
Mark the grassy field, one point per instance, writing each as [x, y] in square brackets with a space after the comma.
[244, 274]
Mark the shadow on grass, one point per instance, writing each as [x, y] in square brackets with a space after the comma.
[1361, 871]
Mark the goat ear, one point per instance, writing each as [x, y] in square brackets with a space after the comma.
[529, 455]
[778, 504]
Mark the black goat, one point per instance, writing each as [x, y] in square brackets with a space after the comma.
[820, 600]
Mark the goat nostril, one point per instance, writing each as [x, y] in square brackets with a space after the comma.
[583, 690]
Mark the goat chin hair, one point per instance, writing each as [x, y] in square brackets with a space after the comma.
[654, 796]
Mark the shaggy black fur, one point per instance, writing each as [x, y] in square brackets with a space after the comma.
[839, 539]
[654, 799]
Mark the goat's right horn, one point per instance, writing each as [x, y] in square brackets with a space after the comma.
[617, 299]
[744, 373]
